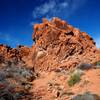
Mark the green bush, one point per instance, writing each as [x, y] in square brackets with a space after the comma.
[97, 63]
[74, 79]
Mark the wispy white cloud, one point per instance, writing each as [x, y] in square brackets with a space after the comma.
[9, 39]
[57, 8]
[97, 40]
[45, 8]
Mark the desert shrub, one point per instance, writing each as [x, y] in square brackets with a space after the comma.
[84, 66]
[6, 95]
[2, 76]
[74, 78]
[87, 96]
[15, 76]
[98, 63]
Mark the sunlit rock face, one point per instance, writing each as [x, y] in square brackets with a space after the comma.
[58, 44]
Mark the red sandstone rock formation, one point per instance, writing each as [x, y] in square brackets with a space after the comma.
[9, 52]
[58, 44]
[19, 54]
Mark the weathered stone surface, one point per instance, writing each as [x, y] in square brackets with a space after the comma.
[18, 54]
[64, 45]
[57, 44]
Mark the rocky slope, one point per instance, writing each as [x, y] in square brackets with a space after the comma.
[16, 73]
[45, 68]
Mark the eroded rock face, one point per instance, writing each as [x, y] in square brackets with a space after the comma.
[21, 53]
[57, 45]
[9, 52]
[61, 45]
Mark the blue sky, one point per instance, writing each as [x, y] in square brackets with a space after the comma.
[17, 17]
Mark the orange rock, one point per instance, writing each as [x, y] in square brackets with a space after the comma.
[62, 43]
[55, 42]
